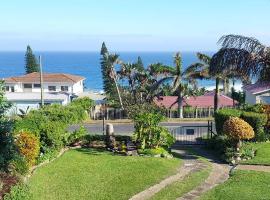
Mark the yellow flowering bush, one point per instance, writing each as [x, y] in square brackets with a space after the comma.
[28, 146]
[238, 129]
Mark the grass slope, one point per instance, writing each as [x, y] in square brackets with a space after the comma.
[262, 154]
[179, 188]
[88, 174]
[243, 185]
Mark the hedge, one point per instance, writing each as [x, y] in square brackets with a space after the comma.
[223, 115]
[258, 122]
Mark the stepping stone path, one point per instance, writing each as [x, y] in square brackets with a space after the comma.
[219, 174]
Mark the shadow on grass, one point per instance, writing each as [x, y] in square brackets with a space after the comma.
[199, 152]
[97, 152]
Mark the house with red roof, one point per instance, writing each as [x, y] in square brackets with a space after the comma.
[257, 93]
[204, 101]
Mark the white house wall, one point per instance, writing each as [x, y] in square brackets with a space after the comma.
[250, 98]
[72, 88]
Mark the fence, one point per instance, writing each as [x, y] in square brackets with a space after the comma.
[116, 113]
[196, 134]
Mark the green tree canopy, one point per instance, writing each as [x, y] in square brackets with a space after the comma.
[31, 64]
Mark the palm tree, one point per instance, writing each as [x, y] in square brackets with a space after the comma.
[179, 78]
[204, 67]
[244, 55]
[111, 60]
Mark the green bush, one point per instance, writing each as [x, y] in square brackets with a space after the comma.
[85, 102]
[19, 192]
[18, 165]
[77, 135]
[223, 115]
[257, 121]
[149, 133]
[154, 152]
[50, 123]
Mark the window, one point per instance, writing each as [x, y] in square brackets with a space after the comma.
[12, 89]
[36, 85]
[27, 85]
[64, 88]
[52, 88]
[7, 88]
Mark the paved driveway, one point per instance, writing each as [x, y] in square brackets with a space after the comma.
[128, 128]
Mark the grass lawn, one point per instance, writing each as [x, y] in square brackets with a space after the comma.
[243, 185]
[179, 188]
[89, 174]
[262, 156]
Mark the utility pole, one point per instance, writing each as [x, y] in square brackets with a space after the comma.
[41, 83]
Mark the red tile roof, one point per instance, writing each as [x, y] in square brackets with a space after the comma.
[47, 77]
[257, 87]
[204, 101]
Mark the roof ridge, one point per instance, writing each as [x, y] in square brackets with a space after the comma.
[68, 77]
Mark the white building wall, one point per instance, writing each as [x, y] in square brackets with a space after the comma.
[72, 88]
[250, 98]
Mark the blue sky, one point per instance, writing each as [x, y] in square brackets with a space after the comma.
[129, 25]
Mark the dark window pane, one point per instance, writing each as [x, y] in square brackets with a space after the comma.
[27, 85]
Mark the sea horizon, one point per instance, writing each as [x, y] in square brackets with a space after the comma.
[87, 63]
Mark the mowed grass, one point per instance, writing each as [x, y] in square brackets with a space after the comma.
[88, 174]
[262, 156]
[179, 188]
[243, 185]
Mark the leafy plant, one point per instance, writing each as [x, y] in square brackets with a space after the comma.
[77, 135]
[238, 129]
[222, 115]
[18, 165]
[28, 147]
[149, 133]
[19, 192]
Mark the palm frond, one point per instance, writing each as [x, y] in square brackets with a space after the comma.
[249, 44]
[204, 58]
[231, 59]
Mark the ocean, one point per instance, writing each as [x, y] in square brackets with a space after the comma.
[87, 64]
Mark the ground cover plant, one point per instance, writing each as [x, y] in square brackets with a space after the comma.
[242, 185]
[92, 174]
[261, 151]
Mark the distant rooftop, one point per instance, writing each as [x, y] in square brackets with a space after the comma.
[47, 77]
[204, 101]
[257, 88]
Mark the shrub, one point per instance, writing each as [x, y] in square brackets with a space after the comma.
[154, 152]
[258, 108]
[28, 147]
[77, 135]
[222, 115]
[85, 102]
[238, 129]
[19, 192]
[148, 132]
[257, 121]
[18, 165]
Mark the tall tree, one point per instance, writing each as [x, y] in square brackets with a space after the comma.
[31, 64]
[180, 79]
[109, 75]
[244, 55]
[204, 66]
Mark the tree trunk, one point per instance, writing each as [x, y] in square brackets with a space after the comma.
[180, 103]
[216, 95]
[117, 88]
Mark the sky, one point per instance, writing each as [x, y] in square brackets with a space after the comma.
[129, 25]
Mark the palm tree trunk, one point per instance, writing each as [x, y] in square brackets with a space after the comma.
[117, 89]
[216, 95]
[180, 103]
